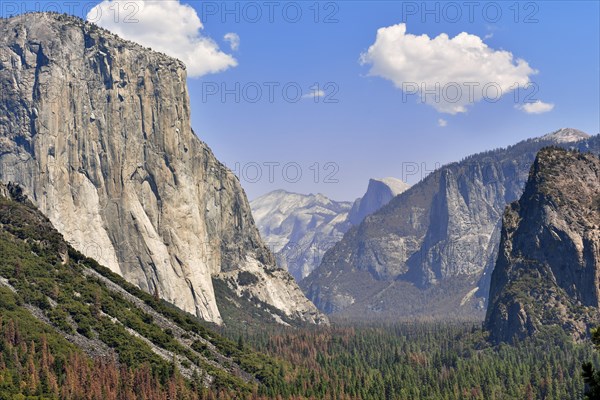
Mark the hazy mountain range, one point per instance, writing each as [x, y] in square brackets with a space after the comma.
[299, 228]
[430, 252]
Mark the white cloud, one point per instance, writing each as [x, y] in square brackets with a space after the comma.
[537, 107]
[166, 26]
[461, 67]
[233, 39]
[314, 94]
[442, 122]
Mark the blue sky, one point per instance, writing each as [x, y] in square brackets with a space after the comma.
[369, 127]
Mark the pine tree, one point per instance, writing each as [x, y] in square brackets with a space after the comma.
[591, 376]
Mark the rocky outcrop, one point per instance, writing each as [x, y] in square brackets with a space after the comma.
[97, 132]
[548, 267]
[438, 238]
[379, 193]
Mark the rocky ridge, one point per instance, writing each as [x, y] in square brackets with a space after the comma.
[97, 131]
[548, 267]
[431, 250]
[299, 228]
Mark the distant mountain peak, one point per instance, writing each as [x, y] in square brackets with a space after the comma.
[300, 228]
[379, 192]
[395, 185]
[434, 244]
[565, 135]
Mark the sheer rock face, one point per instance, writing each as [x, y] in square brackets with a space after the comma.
[439, 238]
[548, 267]
[97, 131]
[379, 193]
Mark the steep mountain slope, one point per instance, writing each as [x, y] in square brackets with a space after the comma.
[97, 131]
[55, 300]
[431, 250]
[299, 229]
[548, 267]
[379, 193]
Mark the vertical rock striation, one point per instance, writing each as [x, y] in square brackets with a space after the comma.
[431, 250]
[548, 267]
[97, 131]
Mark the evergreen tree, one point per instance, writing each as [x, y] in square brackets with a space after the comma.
[591, 376]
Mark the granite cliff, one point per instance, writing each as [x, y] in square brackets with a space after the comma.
[548, 267]
[431, 250]
[379, 193]
[97, 131]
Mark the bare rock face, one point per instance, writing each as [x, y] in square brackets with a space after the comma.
[548, 267]
[97, 132]
[379, 193]
[431, 250]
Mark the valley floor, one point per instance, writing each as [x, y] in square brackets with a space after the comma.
[423, 360]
